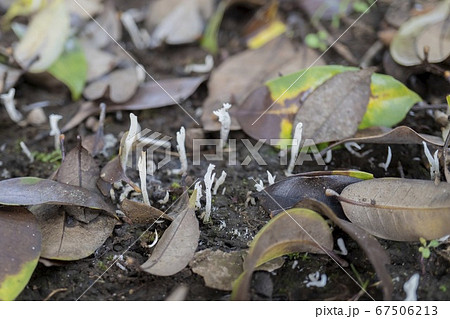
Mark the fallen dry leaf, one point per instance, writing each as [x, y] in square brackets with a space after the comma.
[177, 245]
[219, 268]
[399, 209]
[335, 109]
[240, 74]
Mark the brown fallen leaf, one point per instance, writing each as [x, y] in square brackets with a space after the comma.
[398, 135]
[119, 86]
[219, 269]
[177, 245]
[65, 238]
[150, 95]
[240, 74]
[140, 213]
[398, 209]
[376, 254]
[335, 109]
[99, 62]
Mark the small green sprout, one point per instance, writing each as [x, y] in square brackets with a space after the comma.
[175, 185]
[443, 288]
[317, 40]
[425, 248]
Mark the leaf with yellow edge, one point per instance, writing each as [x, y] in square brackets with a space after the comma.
[20, 247]
[389, 102]
[269, 111]
[294, 230]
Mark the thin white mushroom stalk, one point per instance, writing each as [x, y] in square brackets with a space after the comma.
[8, 101]
[26, 151]
[198, 188]
[434, 163]
[54, 129]
[142, 166]
[208, 180]
[388, 160]
[219, 182]
[181, 139]
[410, 287]
[132, 136]
[225, 121]
[295, 148]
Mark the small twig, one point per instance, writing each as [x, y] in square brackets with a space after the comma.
[54, 292]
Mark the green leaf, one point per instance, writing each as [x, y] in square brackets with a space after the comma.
[425, 252]
[389, 103]
[209, 40]
[71, 68]
[20, 247]
[434, 243]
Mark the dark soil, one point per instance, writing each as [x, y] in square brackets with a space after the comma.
[242, 222]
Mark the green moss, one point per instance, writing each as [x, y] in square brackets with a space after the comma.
[175, 185]
[53, 157]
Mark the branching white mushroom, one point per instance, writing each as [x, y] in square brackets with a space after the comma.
[219, 182]
[259, 186]
[208, 180]
[434, 163]
[225, 120]
[54, 129]
[8, 101]
[270, 178]
[181, 138]
[142, 166]
[295, 148]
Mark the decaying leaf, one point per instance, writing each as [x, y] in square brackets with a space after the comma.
[65, 238]
[177, 245]
[376, 254]
[219, 269]
[286, 193]
[85, 8]
[430, 29]
[240, 74]
[20, 247]
[150, 95]
[399, 209]
[23, 191]
[342, 101]
[45, 37]
[295, 230]
[119, 86]
[398, 135]
[140, 213]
